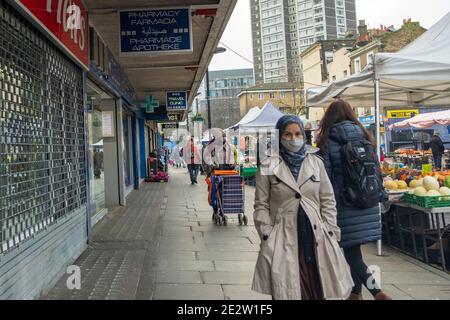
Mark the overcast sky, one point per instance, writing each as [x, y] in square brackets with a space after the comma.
[238, 36]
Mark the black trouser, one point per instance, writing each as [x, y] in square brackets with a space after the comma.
[360, 273]
[437, 160]
[193, 171]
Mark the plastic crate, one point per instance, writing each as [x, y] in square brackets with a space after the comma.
[248, 172]
[427, 202]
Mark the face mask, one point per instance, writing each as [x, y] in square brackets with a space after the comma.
[293, 145]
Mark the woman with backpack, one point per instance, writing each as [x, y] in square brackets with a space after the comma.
[351, 161]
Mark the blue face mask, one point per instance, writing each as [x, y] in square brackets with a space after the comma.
[293, 145]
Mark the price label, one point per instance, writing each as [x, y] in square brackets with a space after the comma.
[427, 168]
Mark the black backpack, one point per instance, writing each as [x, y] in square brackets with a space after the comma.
[363, 187]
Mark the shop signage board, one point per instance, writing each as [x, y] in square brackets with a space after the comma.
[169, 126]
[427, 168]
[176, 100]
[167, 30]
[66, 22]
[174, 117]
[108, 124]
[367, 120]
[402, 114]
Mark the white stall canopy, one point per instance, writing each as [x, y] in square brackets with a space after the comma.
[250, 116]
[425, 120]
[265, 119]
[419, 74]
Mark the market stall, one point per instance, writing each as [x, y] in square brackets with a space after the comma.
[257, 125]
[417, 158]
[418, 212]
[417, 75]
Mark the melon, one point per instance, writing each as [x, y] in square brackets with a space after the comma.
[420, 191]
[431, 183]
[402, 185]
[416, 183]
[444, 191]
[391, 185]
[432, 193]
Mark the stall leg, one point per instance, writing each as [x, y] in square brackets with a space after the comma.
[413, 235]
[441, 244]
[424, 241]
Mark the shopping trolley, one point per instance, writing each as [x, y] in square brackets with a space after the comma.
[226, 196]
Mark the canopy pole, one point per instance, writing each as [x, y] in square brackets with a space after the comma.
[377, 125]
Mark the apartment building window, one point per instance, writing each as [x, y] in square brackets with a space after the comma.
[357, 64]
[334, 78]
[340, 3]
[261, 96]
[283, 94]
[251, 96]
[345, 73]
[272, 95]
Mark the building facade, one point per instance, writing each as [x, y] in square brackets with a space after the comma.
[284, 96]
[224, 86]
[282, 29]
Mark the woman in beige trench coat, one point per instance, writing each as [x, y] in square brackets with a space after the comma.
[295, 206]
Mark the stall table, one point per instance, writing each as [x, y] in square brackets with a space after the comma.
[438, 223]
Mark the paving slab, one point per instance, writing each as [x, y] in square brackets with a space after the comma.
[186, 277]
[227, 277]
[185, 265]
[242, 266]
[188, 292]
[242, 292]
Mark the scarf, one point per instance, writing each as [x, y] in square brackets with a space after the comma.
[293, 160]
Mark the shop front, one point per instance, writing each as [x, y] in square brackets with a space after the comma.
[43, 189]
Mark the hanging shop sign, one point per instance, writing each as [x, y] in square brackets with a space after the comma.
[402, 114]
[150, 104]
[169, 126]
[174, 117]
[155, 31]
[65, 21]
[176, 100]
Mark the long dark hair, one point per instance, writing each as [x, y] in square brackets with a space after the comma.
[337, 112]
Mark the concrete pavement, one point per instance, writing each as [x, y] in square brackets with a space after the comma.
[163, 245]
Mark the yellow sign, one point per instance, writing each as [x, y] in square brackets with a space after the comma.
[402, 114]
[427, 168]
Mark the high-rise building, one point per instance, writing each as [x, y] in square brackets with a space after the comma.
[282, 29]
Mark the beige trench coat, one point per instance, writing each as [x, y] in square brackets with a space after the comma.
[276, 206]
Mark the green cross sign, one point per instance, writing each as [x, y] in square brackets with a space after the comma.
[150, 104]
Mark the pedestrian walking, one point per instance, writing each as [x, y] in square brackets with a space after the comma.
[349, 153]
[295, 216]
[191, 155]
[437, 148]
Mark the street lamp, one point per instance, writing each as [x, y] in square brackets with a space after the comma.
[187, 115]
[218, 50]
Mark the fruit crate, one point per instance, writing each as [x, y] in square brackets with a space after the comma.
[427, 202]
